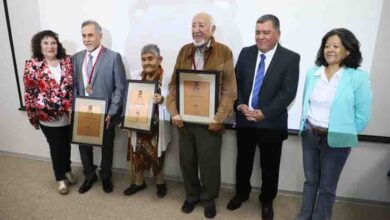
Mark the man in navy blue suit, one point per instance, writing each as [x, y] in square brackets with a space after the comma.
[267, 79]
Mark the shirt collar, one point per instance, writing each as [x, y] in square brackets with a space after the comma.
[270, 53]
[210, 45]
[39, 63]
[96, 52]
[158, 75]
[321, 72]
[42, 62]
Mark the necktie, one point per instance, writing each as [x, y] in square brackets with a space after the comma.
[89, 65]
[258, 81]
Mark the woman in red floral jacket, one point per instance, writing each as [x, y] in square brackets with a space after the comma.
[48, 82]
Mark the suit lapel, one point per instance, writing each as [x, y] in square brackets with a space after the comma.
[79, 66]
[252, 58]
[98, 64]
[63, 70]
[272, 65]
[47, 74]
[346, 78]
[310, 86]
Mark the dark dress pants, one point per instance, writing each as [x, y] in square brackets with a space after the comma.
[86, 154]
[270, 153]
[200, 163]
[59, 143]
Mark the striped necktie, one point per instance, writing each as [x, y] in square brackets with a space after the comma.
[258, 81]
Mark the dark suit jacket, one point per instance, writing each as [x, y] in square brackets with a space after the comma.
[277, 92]
[108, 81]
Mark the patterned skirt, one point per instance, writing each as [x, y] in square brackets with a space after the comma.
[145, 157]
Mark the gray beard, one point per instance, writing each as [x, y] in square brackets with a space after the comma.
[200, 44]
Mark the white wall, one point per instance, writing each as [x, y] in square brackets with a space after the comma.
[128, 25]
[364, 176]
[380, 77]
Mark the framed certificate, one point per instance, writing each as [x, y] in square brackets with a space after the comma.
[88, 120]
[138, 108]
[197, 95]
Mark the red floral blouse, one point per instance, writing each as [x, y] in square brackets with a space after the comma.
[45, 99]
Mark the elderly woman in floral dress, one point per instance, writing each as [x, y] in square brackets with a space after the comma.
[147, 150]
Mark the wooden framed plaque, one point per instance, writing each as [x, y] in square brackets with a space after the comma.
[197, 95]
[88, 120]
[139, 106]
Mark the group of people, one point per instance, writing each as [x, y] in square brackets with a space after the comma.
[336, 107]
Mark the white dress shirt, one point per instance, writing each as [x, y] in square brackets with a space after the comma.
[268, 58]
[322, 97]
[94, 54]
[56, 72]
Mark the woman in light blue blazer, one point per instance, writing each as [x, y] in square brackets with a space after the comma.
[336, 108]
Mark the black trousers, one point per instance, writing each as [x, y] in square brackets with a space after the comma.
[59, 143]
[270, 153]
[86, 154]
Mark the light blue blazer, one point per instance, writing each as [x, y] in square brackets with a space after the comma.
[351, 108]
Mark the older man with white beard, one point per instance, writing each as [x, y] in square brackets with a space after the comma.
[200, 145]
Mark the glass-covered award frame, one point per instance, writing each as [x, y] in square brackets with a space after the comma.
[88, 120]
[197, 95]
[139, 106]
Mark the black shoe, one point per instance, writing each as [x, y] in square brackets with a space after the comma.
[209, 211]
[107, 185]
[134, 188]
[188, 207]
[267, 211]
[235, 202]
[87, 184]
[161, 190]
